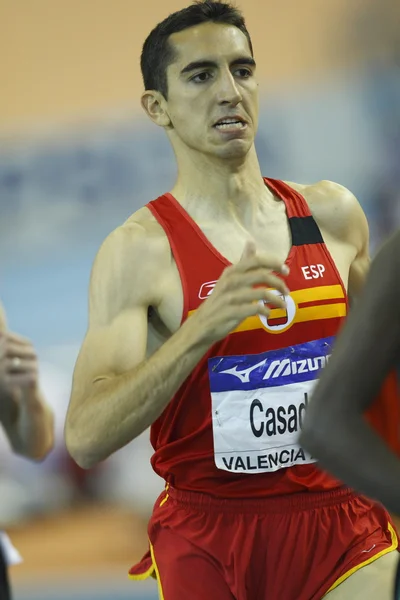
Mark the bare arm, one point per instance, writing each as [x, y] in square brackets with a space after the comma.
[335, 430]
[26, 418]
[117, 393]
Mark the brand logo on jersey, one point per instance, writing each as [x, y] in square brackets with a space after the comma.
[286, 367]
[207, 289]
[244, 375]
[280, 368]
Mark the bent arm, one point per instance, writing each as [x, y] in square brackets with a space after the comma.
[118, 407]
[335, 430]
[117, 393]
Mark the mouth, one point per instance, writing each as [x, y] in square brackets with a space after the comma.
[234, 123]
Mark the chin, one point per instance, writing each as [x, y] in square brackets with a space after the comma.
[236, 150]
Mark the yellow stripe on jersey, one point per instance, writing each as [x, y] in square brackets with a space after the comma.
[311, 313]
[324, 292]
[303, 314]
[326, 311]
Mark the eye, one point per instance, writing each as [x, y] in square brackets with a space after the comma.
[201, 77]
[244, 73]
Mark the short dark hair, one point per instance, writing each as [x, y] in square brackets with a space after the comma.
[157, 52]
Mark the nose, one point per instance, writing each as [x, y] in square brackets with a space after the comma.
[228, 92]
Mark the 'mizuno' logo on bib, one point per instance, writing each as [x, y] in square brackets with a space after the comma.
[288, 367]
[280, 368]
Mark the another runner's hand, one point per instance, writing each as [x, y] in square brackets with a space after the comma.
[243, 290]
[18, 363]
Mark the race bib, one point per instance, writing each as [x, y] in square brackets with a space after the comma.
[258, 406]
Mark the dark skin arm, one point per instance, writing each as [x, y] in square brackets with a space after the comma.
[335, 430]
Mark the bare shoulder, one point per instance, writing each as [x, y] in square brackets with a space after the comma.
[140, 235]
[336, 210]
[130, 265]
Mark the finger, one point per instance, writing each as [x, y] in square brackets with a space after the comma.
[285, 270]
[258, 308]
[247, 296]
[263, 310]
[17, 339]
[252, 310]
[14, 350]
[266, 260]
[20, 365]
[275, 300]
[18, 381]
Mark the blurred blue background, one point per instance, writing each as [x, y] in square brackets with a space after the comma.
[77, 157]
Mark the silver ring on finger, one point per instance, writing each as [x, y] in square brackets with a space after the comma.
[16, 361]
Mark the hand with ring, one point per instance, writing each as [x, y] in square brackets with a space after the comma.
[18, 362]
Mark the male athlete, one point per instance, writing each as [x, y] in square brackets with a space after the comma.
[212, 309]
[24, 415]
[335, 430]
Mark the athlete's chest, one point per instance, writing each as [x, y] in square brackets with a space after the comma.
[318, 273]
[271, 234]
[228, 242]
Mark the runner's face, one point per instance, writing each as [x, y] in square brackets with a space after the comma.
[212, 79]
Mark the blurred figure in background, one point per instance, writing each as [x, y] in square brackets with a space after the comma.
[25, 418]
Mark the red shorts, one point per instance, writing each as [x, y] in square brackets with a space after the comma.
[295, 547]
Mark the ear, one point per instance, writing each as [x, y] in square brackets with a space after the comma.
[155, 106]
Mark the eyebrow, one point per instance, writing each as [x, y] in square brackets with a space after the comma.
[206, 64]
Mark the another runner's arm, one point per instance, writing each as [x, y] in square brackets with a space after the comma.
[335, 430]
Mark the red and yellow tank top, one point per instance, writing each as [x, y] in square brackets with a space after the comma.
[231, 429]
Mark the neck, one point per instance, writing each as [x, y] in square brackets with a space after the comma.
[218, 187]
